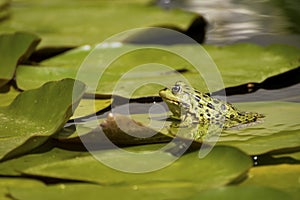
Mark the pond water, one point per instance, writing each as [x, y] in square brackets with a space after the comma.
[258, 21]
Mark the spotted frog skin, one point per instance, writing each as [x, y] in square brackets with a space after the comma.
[190, 106]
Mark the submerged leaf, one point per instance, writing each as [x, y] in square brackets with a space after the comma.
[35, 115]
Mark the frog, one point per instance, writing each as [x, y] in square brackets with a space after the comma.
[190, 106]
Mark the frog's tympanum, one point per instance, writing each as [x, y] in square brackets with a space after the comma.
[190, 107]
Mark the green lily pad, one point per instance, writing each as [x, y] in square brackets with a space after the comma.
[14, 166]
[90, 106]
[7, 183]
[150, 191]
[79, 191]
[167, 182]
[97, 21]
[242, 63]
[242, 192]
[13, 49]
[8, 95]
[225, 164]
[35, 115]
[4, 10]
[235, 63]
[275, 132]
[284, 177]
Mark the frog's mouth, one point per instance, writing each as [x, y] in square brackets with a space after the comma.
[166, 95]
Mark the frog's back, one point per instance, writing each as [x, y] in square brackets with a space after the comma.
[232, 116]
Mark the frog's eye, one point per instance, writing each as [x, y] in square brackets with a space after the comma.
[176, 89]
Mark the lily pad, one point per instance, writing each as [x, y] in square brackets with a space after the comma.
[242, 192]
[242, 63]
[35, 115]
[13, 49]
[149, 191]
[88, 107]
[14, 166]
[92, 26]
[280, 133]
[234, 62]
[8, 94]
[79, 191]
[7, 183]
[275, 132]
[269, 176]
[225, 163]
[167, 182]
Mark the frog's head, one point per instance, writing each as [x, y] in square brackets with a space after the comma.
[178, 98]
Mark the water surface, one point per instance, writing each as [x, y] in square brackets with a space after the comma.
[258, 21]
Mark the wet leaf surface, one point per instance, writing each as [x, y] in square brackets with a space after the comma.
[92, 25]
[35, 115]
[269, 176]
[244, 192]
[14, 48]
[164, 183]
[234, 63]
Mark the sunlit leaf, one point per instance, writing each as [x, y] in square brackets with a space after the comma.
[8, 183]
[284, 177]
[234, 62]
[88, 107]
[225, 164]
[14, 48]
[35, 115]
[98, 20]
[242, 192]
[275, 132]
[7, 95]
[14, 166]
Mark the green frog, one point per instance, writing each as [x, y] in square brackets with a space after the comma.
[190, 106]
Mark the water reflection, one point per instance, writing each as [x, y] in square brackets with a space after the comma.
[241, 20]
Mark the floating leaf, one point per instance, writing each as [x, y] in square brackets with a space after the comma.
[242, 192]
[7, 95]
[234, 62]
[225, 164]
[284, 177]
[35, 115]
[13, 49]
[275, 132]
[14, 166]
[88, 107]
[281, 133]
[7, 183]
[89, 26]
[242, 63]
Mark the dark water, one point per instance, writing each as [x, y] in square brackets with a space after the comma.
[257, 21]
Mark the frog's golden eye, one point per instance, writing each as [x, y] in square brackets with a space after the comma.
[176, 89]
